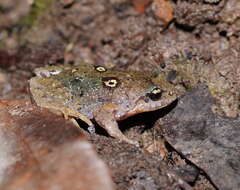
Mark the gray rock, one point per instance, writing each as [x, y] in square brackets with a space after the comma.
[209, 141]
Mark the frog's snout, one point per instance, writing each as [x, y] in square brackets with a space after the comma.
[150, 102]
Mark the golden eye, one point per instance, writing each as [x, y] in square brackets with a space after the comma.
[156, 91]
[111, 82]
[155, 94]
[100, 69]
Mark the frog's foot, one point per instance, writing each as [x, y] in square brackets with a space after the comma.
[104, 116]
[69, 113]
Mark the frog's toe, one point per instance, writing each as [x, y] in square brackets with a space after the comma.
[136, 143]
[104, 116]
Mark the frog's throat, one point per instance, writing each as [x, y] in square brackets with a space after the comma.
[142, 106]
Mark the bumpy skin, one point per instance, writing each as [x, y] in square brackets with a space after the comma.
[93, 92]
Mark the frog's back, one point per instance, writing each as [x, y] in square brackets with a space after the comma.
[76, 87]
[89, 86]
[84, 87]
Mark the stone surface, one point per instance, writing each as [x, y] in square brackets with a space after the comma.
[211, 142]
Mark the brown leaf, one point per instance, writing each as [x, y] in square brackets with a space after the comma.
[40, 150]
[140, 5]
[163, 10]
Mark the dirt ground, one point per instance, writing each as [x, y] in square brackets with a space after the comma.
[194, 44]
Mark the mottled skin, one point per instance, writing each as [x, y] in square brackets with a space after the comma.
[92, 92]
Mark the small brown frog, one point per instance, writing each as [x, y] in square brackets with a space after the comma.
[93, 92]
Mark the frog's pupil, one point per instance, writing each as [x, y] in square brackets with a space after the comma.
[111, 83]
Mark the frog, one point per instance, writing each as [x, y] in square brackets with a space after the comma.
[96, 93]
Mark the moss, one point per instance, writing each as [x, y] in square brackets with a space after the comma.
[38, 8]
[2, 45]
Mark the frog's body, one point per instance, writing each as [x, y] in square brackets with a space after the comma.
[93, 92]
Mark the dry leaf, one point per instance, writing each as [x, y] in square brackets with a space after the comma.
[40, 150]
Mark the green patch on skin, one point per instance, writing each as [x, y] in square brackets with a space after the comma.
[38, 8]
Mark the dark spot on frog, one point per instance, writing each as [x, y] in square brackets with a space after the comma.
[76, 87]
[172, 75]
[110, 82]
[71, 62]
[60, 61]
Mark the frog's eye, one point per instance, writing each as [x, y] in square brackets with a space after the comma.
[111, 82]
[100, 69]
[155, 94]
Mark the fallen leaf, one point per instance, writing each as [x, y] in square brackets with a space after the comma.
[163, 10]
[40, 150]
[140, 5]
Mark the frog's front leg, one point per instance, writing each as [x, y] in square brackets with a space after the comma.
[104, 116]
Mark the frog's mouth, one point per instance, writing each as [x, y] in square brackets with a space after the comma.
[144, 104]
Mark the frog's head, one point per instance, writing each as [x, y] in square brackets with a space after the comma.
[146, 93]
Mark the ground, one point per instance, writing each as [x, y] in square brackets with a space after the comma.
[190, 42]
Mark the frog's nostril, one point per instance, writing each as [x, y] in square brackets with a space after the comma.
[146, 99]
